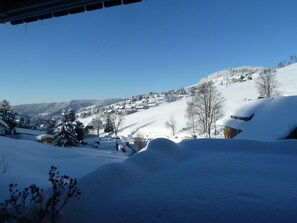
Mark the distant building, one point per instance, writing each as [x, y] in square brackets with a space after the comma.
[89, 127]
[45, 138]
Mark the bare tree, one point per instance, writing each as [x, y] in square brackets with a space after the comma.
[205, 108]
[191, 117]
[97, 122]
[171, 124]
[267, 84]
[117, 119]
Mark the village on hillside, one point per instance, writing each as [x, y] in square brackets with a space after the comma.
[117, 122]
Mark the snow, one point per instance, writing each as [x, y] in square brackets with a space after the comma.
[273, 121]
[151, 122]
[28, 131]
[249, 108]
[193, 181]
[29, 162]
[231, 123]
[43, 136]
[202, 180]
[273, 118]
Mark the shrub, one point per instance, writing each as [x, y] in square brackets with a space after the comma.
[63, 188]
[31, 204]
[139, 142]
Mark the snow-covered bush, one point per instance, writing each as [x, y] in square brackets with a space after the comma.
[63, 188]
[68, 132]
[31, 204]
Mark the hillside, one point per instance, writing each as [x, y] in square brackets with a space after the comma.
[151, 122]
[47, 110]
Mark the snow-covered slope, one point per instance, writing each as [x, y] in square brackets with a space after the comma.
[239, 93]
[232, 75]
[194, 181]
[29, 162]
[151, 122]
[47, 110]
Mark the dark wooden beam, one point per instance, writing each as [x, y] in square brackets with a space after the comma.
[20, 11]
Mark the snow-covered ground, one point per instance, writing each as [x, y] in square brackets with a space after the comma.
[194, 181]
[29, 162]
[151, 122]
[203, 180]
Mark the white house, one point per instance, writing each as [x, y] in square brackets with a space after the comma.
[266, 119]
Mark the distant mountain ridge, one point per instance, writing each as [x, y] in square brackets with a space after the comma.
[47, 110]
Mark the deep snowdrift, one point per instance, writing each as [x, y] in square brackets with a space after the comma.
[194, 181]
[29, 162]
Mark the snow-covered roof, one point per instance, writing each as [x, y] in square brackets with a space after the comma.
[249, 108]
[231, 122]
[28, 131]
[3, 123]
[272, 120]
[43, 136]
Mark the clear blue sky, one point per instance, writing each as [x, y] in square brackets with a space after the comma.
[156, 45]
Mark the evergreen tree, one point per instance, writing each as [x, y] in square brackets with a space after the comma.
[4, 107]
[108, 125]
[6, 114]
[70, 115]
[79, 131]
[51, 126]
[68, 132]
[65, 134]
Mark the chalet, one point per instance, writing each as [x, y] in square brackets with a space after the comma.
[89, 127]
[45, 138]
[3, 128]
[265, 119]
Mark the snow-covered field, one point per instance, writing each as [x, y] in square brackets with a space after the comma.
[203, 180]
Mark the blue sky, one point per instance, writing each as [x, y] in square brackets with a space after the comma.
[156, 45]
